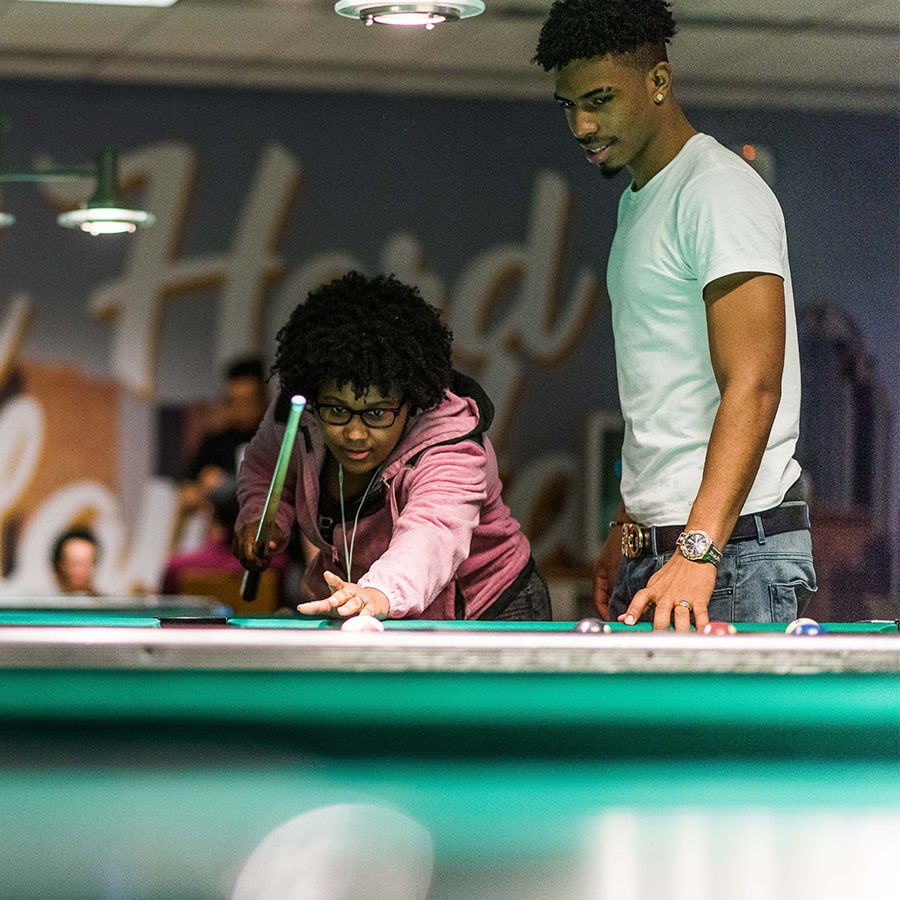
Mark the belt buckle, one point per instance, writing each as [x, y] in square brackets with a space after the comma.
[632, 540]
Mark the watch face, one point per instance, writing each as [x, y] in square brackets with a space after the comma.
[696, 543]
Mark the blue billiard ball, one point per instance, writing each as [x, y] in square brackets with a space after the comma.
[791, 629]
[808, 629]
[805, 626]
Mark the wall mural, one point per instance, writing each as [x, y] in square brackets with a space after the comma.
[96, 340]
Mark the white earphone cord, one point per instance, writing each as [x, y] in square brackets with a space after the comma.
[348, 553]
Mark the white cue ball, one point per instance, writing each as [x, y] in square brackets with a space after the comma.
[362, 623]
[346, 850]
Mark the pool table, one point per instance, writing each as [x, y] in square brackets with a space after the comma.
[450, 760]
[152, 605]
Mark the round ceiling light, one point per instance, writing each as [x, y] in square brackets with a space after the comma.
[425, 15]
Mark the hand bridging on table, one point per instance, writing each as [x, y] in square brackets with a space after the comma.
[347, 599]
[244, 547]
[678, 580]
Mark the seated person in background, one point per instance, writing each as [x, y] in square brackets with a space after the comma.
[216, 461]
[214, 556]
[74, 558]
[392, 476]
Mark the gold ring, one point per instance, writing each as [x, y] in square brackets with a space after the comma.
[685, 603]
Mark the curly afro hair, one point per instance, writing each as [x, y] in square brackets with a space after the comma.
[637, 30]
[366, 332]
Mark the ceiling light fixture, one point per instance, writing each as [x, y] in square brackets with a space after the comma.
[114, 2]
[104, 213]
[423, 14]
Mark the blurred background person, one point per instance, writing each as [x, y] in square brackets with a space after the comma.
[215, 464]
[74, 557]
[213, 570]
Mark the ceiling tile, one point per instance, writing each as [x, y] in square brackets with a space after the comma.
[43, 27]
[724, 48]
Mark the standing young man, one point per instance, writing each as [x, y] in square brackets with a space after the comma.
[713, 523]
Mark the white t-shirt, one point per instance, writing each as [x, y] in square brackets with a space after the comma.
[705, 215]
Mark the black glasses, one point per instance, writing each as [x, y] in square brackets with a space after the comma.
[372, 418]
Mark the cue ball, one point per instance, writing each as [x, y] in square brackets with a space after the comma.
[797, 624]
[362, 623]
[592, 626]
[719, 628]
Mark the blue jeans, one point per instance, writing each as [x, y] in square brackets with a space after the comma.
[771, 580]
[531, 603]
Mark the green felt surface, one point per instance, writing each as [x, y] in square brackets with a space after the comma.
[140, 618]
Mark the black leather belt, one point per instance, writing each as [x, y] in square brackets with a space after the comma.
[638, 540]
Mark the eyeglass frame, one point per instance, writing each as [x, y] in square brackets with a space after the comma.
[358, 412]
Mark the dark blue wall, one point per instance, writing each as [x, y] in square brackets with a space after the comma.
[457, 175]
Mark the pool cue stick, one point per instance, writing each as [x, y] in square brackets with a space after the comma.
[250, 584]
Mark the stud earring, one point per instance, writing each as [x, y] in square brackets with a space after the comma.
[659, 97]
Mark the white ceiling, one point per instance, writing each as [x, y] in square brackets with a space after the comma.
[823, 54]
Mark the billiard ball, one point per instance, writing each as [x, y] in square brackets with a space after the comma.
[592, 626]
[362, 623]
[719, 628]
[797, 624]
[808, 628]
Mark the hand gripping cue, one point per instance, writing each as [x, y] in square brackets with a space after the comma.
[250, 584]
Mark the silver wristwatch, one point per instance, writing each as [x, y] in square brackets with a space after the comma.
[698, 546]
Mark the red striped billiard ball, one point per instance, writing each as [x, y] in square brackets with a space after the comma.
[719, 628]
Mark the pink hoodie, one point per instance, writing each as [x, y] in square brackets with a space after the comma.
[442, 528]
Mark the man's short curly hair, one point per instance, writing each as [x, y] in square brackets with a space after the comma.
[366, 332]
[636, 30]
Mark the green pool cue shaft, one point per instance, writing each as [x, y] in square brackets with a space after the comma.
[250, 584]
